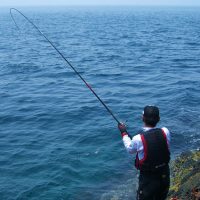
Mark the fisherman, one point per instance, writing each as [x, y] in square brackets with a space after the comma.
[151, 146]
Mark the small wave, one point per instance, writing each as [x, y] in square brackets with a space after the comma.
[126, 191]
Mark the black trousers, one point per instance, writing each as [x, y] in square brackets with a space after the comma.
[153, 186]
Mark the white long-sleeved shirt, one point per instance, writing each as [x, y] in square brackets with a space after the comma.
[135, 144]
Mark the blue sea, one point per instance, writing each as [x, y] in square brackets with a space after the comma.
[57, 142]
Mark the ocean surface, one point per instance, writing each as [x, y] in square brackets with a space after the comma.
[57, 142]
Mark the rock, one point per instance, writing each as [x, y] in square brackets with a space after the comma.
[185, 177]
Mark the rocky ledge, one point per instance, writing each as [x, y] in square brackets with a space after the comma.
[185, 180]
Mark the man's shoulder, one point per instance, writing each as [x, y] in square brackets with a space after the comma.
[166, 130]
[147, 130]
[137, 137]
[167, 133]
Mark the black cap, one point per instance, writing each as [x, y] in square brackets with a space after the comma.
[151, 112]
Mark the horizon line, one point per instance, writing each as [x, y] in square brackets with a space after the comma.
[104, 5]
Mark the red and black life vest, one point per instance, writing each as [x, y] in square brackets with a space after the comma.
[156, 151]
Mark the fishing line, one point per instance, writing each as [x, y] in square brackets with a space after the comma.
[68, 63]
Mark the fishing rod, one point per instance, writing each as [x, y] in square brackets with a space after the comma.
[69, 64]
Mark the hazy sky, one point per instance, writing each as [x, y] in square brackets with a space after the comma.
[98, 2]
